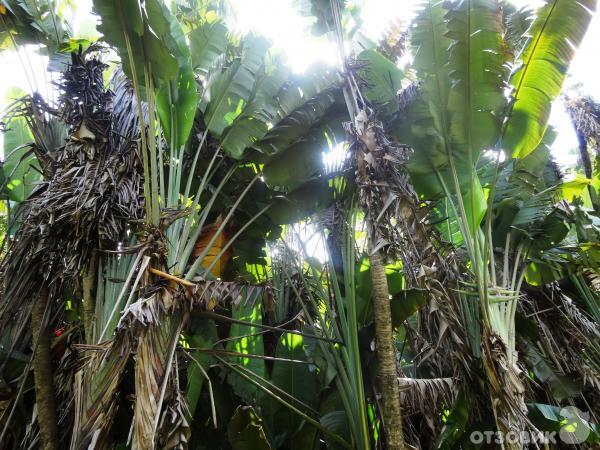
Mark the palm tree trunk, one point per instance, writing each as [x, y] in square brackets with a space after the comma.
[386, 353]
[586, 162]
[42, 371]
[382, 317]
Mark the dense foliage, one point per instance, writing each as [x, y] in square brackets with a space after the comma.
[160, 286]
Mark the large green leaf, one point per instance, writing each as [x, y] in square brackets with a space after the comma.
[457, 55]
[33, 22]
[253, 123]
[202, 334]
[476, 70]
[426, 123]
[301, 88]
[123, 23]
[298, 123]
[455, 424]
[558, 29]
[303, 159]
[176, 100]
[405, 303]
[245, 430]
[207, 43]
[383, 81]
[227, 92]
[572, 425]
[20, 169]
[308, 198]
[295, 379]
[246, 339]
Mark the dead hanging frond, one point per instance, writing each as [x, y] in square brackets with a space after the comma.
[385, 183]
[96, 390]
[158, 321]
[399, 222]
[585, 115]
[173, 427]
[84, 204]
[422, 395]
[408, 95]
[125, 123]
[505, 383]
[150, 327]
[92, 192]
[154, 358]
[205, 294]
[594, 279]
[567, 339]
[578, 318]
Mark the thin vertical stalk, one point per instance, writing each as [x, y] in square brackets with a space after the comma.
[136, 88]
[154, 198]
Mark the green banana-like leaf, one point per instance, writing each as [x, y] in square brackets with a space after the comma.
[124, 24]
[459, 55]
[477, 74]
[207, 43]
[476, 94]
[573, 426]
[297, 124]
[245, 430]
[176, 100]
[427, 126]
[405, 303]
[254, 121]
[383, 81]
[246, 339]
[33, 22]
[301, 88]
[295, 379]
[455, 425]
[308, 198]
[227, 92]
[558, 29]
[20, 168]
[303, 159]
[516, 22]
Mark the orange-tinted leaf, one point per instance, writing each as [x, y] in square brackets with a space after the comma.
[221, 241]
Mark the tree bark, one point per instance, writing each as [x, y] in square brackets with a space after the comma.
[586, 162]
[386, 353]
[43, 374]
[382, 315]
[89, 298]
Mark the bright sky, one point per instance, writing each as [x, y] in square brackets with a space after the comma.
[278, 20]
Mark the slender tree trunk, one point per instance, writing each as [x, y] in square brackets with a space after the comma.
[386, 353]
[42, 371]
[586, 162]
[89, 298]
[382, 317]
